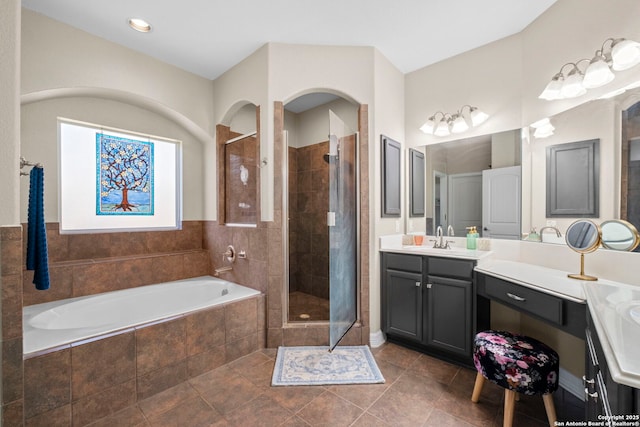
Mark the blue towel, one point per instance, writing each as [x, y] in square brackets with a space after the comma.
[37, 258]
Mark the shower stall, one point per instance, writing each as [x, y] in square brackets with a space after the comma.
[322, 222]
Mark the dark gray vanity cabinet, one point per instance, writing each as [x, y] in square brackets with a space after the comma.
[402, 296]
[428, 304]
[605, 398]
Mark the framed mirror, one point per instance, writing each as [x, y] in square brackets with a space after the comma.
[583, 236]
[391, 176]
[416, 183]
[619, 235]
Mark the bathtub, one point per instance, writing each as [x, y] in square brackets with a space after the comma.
[59, 324]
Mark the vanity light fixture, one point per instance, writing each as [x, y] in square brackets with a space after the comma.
[454, 123]
[543, 128]
[621, 54]
[139, 24]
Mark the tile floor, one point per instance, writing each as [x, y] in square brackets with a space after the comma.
[419, 391]
[304, 307]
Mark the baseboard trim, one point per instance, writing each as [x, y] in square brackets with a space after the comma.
[376, 339]
[572, 384]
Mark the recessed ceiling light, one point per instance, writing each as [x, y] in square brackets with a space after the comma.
[139, 24]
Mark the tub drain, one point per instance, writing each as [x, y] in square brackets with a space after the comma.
[305, 316]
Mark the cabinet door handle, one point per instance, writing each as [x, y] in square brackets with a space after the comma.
[515, 297]
[593, 395]
[586, 381]
[429, 285]
[418, 284]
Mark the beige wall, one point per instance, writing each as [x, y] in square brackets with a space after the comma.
[9, 111]
[39, 143]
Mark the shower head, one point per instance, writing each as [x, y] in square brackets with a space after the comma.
[328, 157]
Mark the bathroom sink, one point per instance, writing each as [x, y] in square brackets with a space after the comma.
[454, 252]
[634, 312]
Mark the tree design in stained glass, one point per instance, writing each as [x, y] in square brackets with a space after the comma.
[124, 176]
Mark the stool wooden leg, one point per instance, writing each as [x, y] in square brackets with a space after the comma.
[477, 388]
[550, 408]
[509, 405]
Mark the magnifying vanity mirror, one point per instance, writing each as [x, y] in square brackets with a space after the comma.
[583, 236]
[619, 235]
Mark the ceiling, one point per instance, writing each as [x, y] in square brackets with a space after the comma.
[208, 37]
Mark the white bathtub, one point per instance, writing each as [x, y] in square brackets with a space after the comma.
[62, 323]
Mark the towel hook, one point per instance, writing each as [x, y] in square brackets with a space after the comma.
[24, 162]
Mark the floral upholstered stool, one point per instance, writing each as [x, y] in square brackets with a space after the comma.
[519, 364]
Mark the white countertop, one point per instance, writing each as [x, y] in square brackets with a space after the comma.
[610, 304]
[548, 280]
[394, 244]
[614, 306]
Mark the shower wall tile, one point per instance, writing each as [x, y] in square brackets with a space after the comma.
[242, 347]
[61, 285]
[104, 403]
[11, 256]
[160, 345]
[206, 361]
[205, 330]
[12, 370]
[275, 337]
[161, 379]
[240, 319]
[168, 268]
[47, 382]
[196, 264]
[11, 306]
[102, 364]
[133, 272]
[13, 414]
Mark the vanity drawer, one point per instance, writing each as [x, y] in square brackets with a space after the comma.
[450, 267]
[540, 304]
[402, 262]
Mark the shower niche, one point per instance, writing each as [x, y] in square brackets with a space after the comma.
[316, 169]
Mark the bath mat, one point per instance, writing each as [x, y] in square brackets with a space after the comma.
[316, 366]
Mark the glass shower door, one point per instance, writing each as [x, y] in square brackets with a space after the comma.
[342, 220]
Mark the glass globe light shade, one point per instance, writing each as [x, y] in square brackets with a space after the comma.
[459, 124]
[429, 126]
[572, 86]
[625, 54]
[477, 117]
[552, 91]
[442, 129]
[597, 73]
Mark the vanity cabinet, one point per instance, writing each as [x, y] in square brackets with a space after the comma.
[428, 304]
[402, 295]
[605, 399]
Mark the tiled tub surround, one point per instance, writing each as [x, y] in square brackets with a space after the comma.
[56, 324]
[86, 264]
[93, 379]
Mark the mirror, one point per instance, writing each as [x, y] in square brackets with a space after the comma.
[391, 173]
[619, 235]
[454, 179]
[416, 183]
[583, 236]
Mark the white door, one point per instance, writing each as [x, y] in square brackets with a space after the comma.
[501, 203]
[465, 202]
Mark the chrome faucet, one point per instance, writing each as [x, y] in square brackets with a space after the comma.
[439, 237]
[450, 232]
[439, 243]
[552, 228]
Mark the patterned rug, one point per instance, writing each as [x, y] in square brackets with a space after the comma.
[316, 366]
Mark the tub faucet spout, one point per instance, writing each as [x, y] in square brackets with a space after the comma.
[219, 270]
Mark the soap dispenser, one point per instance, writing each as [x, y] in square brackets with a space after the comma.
[472, 236]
